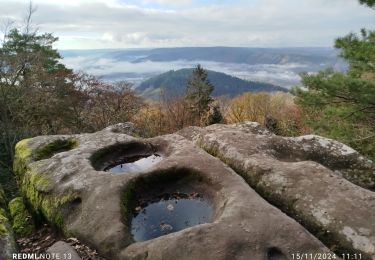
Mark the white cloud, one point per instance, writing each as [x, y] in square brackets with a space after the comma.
[162, 23]
[284, 75]
[168, 2]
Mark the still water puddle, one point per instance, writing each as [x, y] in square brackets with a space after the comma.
[169, 213]
[134, 164]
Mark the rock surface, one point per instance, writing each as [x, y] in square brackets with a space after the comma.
[70, 189]
[62, 250]
[313, 179]
[123, 128]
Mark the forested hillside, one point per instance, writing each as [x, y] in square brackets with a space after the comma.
[174, 82]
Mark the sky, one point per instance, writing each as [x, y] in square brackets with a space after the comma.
[106, 24]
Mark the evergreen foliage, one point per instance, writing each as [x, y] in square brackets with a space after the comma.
[32, 86]
[342, 105]
[198, 92]
[369, 3]
[215, 116]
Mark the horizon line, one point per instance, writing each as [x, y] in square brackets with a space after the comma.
[180, 47]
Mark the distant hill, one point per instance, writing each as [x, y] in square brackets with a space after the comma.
[241, 55]
[174, 83]
[312, 58]
[278, 66]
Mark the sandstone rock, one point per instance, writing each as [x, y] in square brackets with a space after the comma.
[71, 190]
[313, 179]
[62, 250]
[123, 128]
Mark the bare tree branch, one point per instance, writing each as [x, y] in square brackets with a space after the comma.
[6, 26]
[28, 26]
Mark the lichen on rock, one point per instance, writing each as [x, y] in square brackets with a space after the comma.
[323, 184]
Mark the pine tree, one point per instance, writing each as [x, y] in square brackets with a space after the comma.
[214, 116]
[369, 3]
[32, 81]
[198, 92]
[345, 102]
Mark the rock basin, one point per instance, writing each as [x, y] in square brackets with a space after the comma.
[134, 164]
[178, 200]
[127, 158]
[71, 191]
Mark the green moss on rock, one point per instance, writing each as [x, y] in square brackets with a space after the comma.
[52, 148]
[22, 156]
[22, 222]
[36, 186]
[3, 223]
[23, 149]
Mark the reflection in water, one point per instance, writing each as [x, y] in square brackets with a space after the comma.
[171, 215]
[134, 164]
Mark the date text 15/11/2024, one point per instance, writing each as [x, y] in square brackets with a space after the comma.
[325, 256]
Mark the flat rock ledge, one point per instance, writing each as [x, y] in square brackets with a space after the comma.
[323, 184]
[62, 250]
[63, 179]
